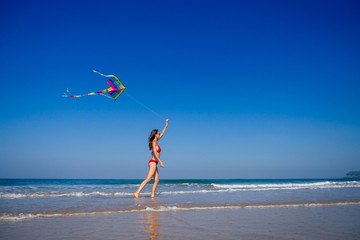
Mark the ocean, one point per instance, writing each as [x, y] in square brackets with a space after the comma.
[48, 201]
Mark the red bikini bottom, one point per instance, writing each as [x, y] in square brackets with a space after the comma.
[153, 161]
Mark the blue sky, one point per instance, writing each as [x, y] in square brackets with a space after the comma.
[253, 89]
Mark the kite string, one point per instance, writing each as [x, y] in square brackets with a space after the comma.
[140, 103]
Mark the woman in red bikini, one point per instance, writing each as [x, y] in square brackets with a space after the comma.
[153, 170]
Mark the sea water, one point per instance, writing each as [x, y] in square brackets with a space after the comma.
[26, 199]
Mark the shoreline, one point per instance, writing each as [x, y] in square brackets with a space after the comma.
[11, 217]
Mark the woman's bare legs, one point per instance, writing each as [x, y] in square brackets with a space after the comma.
[156, 181]
[152, 169]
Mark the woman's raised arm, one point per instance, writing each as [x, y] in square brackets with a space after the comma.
[163, 131]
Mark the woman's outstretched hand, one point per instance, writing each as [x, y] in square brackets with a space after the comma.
[162, 165]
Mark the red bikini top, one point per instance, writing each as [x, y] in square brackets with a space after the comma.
[158, 150]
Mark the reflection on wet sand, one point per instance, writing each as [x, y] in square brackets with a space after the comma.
[151, 220]
[152, 227]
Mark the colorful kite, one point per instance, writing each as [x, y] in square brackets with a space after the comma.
[115, 89]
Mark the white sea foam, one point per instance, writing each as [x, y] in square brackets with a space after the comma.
[193, 191]
[27, 216]
[287, 186]
[162, 208]
[59, 194]
[87, 194]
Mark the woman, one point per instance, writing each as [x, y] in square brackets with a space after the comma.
[153, 170]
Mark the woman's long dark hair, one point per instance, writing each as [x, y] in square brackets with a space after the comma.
[152, 137]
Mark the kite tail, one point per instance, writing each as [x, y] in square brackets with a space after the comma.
[103, 74]
[67, 94]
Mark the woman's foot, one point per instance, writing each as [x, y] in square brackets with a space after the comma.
[136, 194]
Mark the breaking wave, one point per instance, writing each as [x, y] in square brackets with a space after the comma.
[189, 188]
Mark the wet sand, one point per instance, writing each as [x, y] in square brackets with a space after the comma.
[314, 222]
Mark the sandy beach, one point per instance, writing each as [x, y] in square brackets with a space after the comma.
[316, 222]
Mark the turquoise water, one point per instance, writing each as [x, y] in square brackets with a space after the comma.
[22, 199]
